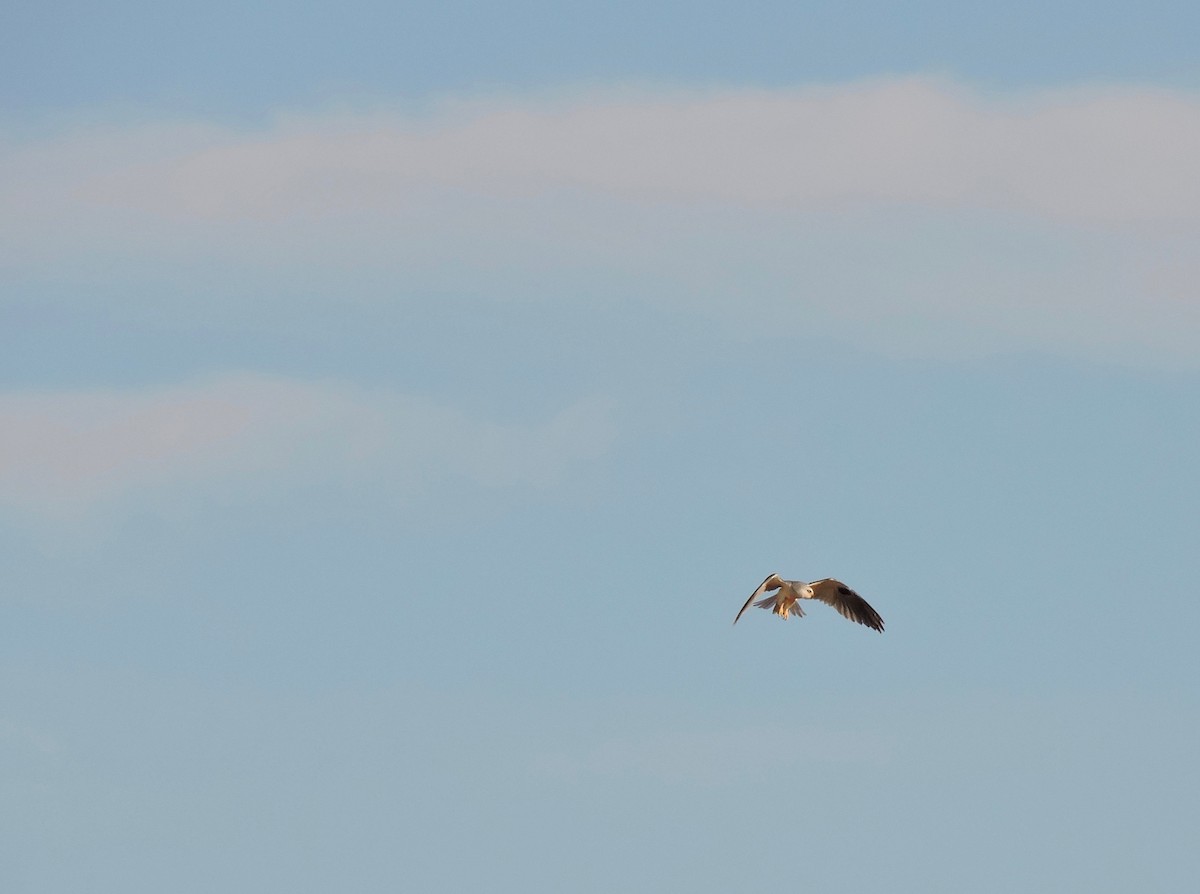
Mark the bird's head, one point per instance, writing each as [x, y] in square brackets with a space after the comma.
[807, 592]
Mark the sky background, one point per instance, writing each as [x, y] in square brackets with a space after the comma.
[398, 401]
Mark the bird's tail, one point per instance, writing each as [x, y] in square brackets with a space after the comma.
[777, 607]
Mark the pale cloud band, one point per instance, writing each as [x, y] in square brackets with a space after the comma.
[65, 453]
[911, 214]
[1086, 156]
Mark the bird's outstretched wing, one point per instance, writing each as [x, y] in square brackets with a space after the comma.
[848, 603]
[773, 582]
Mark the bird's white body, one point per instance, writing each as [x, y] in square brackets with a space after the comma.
[785, 598]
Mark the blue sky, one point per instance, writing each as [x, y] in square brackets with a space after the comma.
[398, 403]
[231, 59]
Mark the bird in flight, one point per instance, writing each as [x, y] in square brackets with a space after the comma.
[788, 593]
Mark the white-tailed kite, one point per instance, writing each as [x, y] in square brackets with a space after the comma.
[832, 592]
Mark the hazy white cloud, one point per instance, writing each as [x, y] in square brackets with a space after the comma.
[63, 452]
[910, 214]
[1102, 155]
